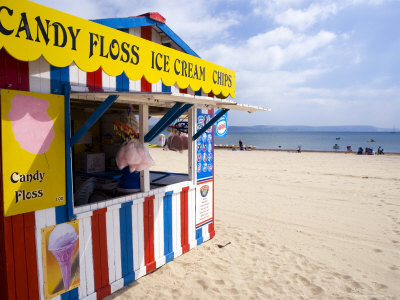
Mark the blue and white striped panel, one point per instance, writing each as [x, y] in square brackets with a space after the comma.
[168, 243]
[206, 234]
[58, 78]
[122, 82]
[126, 234]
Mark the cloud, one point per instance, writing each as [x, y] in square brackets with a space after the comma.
[297, 15]
[302, 19]
[268, 51]
[196, 22]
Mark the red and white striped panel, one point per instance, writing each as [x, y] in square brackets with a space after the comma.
[176, 222]
[138, 238]
[159, 230]
[192, 217]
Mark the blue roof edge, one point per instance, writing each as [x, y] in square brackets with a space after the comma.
[119, 23]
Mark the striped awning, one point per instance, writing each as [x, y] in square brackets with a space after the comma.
[63, 39]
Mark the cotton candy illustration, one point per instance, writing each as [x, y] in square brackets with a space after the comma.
[31, 125]
[62, 242]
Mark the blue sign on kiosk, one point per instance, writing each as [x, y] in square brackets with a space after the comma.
[204, 147]
[221, 126]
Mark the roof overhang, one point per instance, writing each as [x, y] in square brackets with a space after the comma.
[165, 100]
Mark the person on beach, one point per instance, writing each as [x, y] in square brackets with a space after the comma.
[298, 149]
[241, 145]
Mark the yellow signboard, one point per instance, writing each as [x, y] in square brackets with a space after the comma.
[62, 38]
[60, 252]
[33, 151]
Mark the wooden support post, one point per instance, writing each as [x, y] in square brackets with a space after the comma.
[143, 129]
[192, 144]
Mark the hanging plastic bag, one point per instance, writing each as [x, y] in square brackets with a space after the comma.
[135, 155]
[184, 140]
[146, 160]
[168, 144]
[120, 157]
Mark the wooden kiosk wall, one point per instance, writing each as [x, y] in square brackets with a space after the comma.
[120, 239]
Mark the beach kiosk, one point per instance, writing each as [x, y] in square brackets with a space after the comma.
[79, 217]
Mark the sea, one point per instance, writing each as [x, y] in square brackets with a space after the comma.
[318, 141]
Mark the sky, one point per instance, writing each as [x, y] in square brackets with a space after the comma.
[316, 63]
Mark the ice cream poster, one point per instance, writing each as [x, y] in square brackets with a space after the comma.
[33, 151]
[60, 249]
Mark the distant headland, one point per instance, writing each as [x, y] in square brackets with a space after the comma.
[294, 128]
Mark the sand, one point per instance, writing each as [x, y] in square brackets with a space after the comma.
[300, 226]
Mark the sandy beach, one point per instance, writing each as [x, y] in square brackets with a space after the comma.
[290, 226]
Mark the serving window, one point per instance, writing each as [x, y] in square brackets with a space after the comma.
[111, 159]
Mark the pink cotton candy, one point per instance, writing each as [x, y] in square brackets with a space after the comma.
[136, 155]
[146, 160]
[120, 158]
[31, 125]
[133, 168]
[184, 139]
[169, 140]
[176, 143]
[131, 154]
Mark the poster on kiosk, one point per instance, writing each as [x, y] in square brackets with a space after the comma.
[33, 151]
[205, 170]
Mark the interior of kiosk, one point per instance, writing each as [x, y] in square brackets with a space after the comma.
[95, 171]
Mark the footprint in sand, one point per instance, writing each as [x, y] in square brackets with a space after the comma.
[203, 284]
[378, 250]
[220, 282]
[379, 286]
